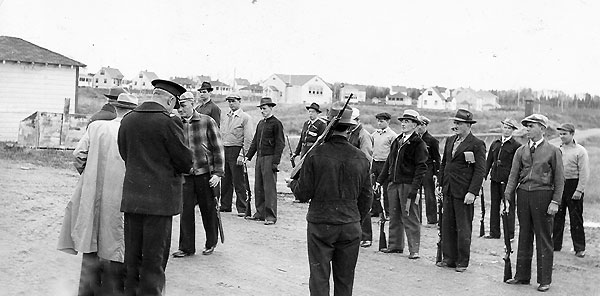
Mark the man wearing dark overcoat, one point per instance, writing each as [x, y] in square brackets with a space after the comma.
[205, 105]
[335, 179]
[152, 145]
[311, 130]
[461, 174]
[498, 163]
[433, 168]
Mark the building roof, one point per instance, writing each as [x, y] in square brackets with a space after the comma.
[217, 83]
[298, 80]
[183, 81]
[112, 72]
[150, 75]
[253, 87]
[18, 50]
[399, 95]
[242, 81]
[356, 86]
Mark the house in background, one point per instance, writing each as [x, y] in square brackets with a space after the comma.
[239, 83]
[220, 88]
[359, 92]
[143, 81]
[198, 79]
[187, 83]
[473, 100]
[252, 91]
[107, 77]
[398, 98]
[395, 89]
[85, 79]
[299, 89]
[50, 78]
[434, 98]
[272, 92]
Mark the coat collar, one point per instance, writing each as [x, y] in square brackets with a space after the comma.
[150, 106]
[463, 145]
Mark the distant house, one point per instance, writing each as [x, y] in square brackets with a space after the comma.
[475, 100]
[107, 77]
[398, 98]
[86, 79]
[220, 88]
[434, 98]
[32, 79]
[359, 92]
[240, 83]
[298, 89]
[252, 91]
[272, 92]
[198, 79]
[188, 83]
[394, 89]
[143, 80]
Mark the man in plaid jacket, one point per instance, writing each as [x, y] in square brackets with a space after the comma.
[203, 138]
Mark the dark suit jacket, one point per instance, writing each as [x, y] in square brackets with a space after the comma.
[459, 177]
[500, 166]
[433, 148]
[152, 145]
[211, 109]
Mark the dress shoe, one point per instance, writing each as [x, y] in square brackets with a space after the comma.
[461, 269]
[445, 264]
[269, 222]
[366, 244]
[253, 218]
[414, 256]
[181, 254]
[387, 251]
[517, 282]
[543, 288]
[491, 237]
[241, 214]
[580, 254]
[208, 251]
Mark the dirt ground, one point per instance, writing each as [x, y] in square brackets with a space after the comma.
[255, 259]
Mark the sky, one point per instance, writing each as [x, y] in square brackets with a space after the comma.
[509, 44]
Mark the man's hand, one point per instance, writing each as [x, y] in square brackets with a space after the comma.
[552, 208]
[469, 198]
[274, 167]
[214, 180]
[240, 160]
[576, 195]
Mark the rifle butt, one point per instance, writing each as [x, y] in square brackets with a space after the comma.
[382, 238]
[507, 269]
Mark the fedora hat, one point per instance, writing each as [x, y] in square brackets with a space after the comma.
[424, 120]
[126, 101]
[346, 116]
[266, 101]
[510, 122]
[463, 115]
[410, 115]
[114, 92]
[315, 107]
[206, 86]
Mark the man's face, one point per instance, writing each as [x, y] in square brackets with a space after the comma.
[186, 109]
[565, 136]
[461, 128]
[507, 130]
[312, 114]
[407, 126]
[204, 95]
[421, 128]
[382, 123]
[234, 104]
[534, 131]
[266, 110]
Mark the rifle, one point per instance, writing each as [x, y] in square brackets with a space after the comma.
[248, 212]
[482, 221]
[507, 246]
[321, 139]
[382, 220]
[217, 196]
[440, 207]
[291, 153]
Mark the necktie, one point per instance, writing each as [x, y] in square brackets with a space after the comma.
[532, 148]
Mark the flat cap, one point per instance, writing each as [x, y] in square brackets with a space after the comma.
[536, 118]
[567, 127]
[384, 115]
[510, 122]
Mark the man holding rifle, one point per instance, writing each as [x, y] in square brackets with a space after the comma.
[237, 135]
[335, 179]
[203, 138]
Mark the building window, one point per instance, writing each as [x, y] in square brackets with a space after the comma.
[424, 102]
[429, 93]
[96, 80]
[435, 103]
[144, 83]
[135, 83]
[315, 90]
[104, 80]
[141, 76]
[101, 72]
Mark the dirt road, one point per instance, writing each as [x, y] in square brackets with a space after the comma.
[255, 259]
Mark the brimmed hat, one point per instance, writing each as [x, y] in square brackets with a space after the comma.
[346, 116]
[510, 122]
[315, 107]
[536, 118]
[463, 115]
[114, 92]
[186, 96]
[383, 115]
[232, 97]
[567, 127]
[266, 101]
[126, 101]
[410, 115]
[206, 86]
[171, 87]
[424, 120]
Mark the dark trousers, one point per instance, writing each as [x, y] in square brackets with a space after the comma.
[197, 190]
[575, 217]
[147, 244]
[532, 211]
[400, 222]
[100, 277]
[332, 247]
[457, 226]
[234, 178]
[376, 168]
[496, 195]
[265, 189]
[430, 199]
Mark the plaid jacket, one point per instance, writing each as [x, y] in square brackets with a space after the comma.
[203, 138]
